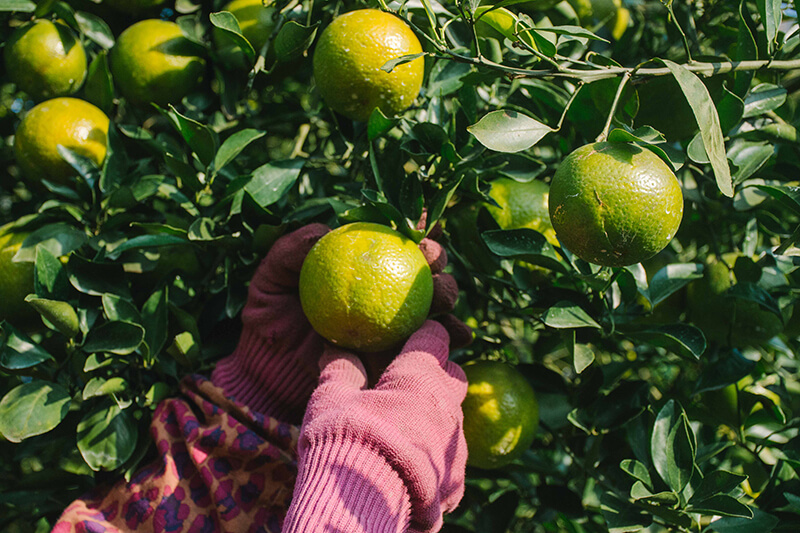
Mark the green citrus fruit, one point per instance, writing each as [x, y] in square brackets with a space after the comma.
[609, 12]
[366, 287]
[153, 62]
[348, 60]
[615, 204]
[72, 123]
[16, 279]
[256, 22]
[522, 205]
[501, 414]
[723, 404]
[45, 59]
[725, 320]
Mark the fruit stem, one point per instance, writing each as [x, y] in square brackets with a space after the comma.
[604, 134]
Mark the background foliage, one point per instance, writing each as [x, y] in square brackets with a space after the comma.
[647, 422]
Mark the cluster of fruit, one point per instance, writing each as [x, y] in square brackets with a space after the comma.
[153, 62]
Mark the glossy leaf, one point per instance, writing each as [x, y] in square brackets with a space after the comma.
[705, 114]
[508, 131]
[565, 314]
[114, 337]
[106, 437]
[673, 446]
[18, 351]
[32, 409]
[272, 180]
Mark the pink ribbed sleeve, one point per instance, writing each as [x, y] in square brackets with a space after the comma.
[386, 459]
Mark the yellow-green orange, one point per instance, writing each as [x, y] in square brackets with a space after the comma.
[16, 279]
[610, 13]
[348, 60]
[501, 414]
[256, 22]
[522, 205]
[723, 319]
[153, 62]
[45, 59]
[366, 287]
[72, 123]
[615, 204]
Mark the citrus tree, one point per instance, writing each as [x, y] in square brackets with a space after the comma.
[665, 380]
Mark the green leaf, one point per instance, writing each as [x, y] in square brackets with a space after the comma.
[95, 29]
[771, 15]
[106, 437]
[59, 239]
[761, 522]
[49, 275]
[32, 409]
[272, 180]
[788, 196]
[293, 39]
[96, 279]
[100, 386]
[99, 88]
[714, 483]
[721, 505]
[378, 124]
[148, 241]
[402, 60]
[120, 309]
[763, 98]
[653, 141]
[508, 131]
[673, 446]
[705, 114]
[18, 351]
[682, 339]
[200, 138]
[20, 6]
[155, 318]
[526, 245]
[60, 314]
[227, 25]
[582, 34]
[119, 338]
[671, 279]
[565, 314]
[233, 146]
[751, 292]
[582, 355]
[621, 516]
[749, 157]
[637, 471]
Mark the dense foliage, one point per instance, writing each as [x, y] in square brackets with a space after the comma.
[662, 405]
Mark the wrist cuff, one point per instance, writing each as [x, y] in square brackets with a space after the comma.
[344, 486]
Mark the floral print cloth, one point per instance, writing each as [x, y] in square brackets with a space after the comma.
[221, 468]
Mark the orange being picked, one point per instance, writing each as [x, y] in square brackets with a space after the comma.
[501, 414]
[615, 204]
[72, 123]
[348, 60]
[16, 279]
[366, 287]
[152, 61]
[522, 205]
[45, 59]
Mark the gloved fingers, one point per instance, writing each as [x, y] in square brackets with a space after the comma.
[434, 253]
[341, 368]
[281, 267]
[460, 334]
[422, 368]
[445, 294]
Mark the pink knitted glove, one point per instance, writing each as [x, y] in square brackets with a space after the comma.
[274, 367]
[386, 459]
